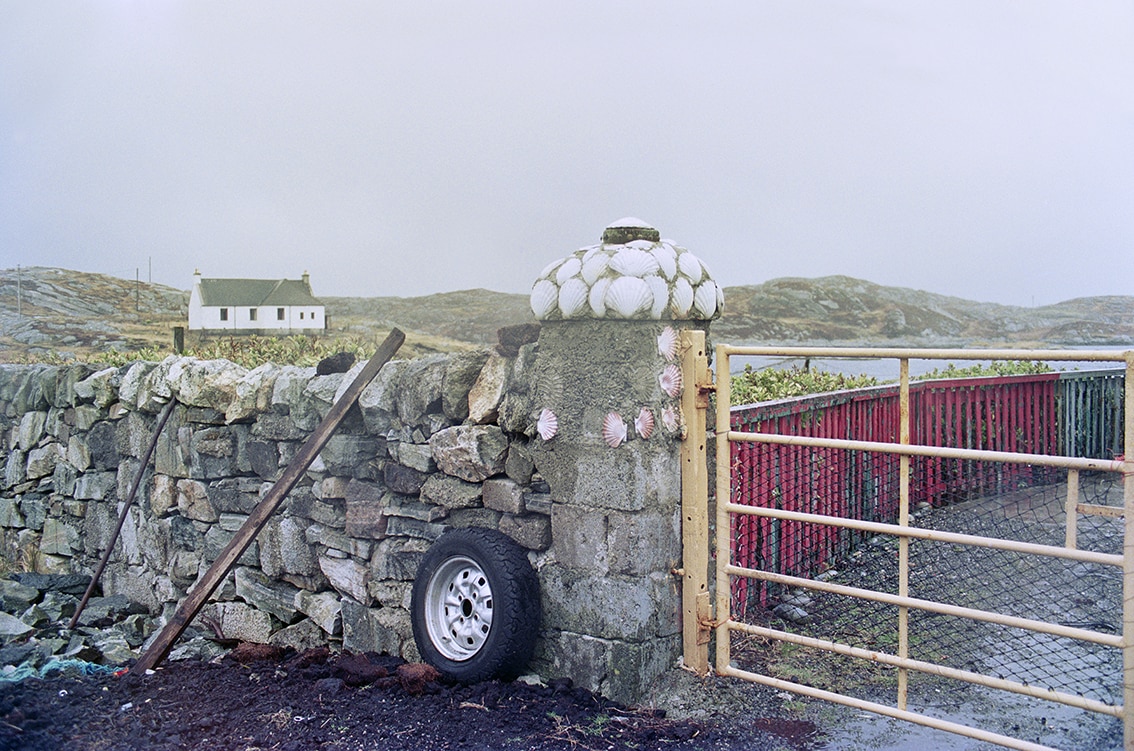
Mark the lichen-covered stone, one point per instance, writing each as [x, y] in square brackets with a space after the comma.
[471, 452]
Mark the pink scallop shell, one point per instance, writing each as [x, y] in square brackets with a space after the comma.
[644, 423]
[667, 343]
[670, 380]
[613, 430]
[547, 425]
[671, 419]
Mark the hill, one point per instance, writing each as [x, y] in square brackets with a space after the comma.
[57, 313]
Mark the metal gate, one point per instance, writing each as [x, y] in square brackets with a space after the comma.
[914, 646]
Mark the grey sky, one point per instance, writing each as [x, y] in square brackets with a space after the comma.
[977, 149]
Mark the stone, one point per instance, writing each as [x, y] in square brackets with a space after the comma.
[172, 454]
[301, 637]
[15, 597]
[420, 388]
[96, 486]
[450, 492]
[579, 538]
[114, 648]
[318, 534]
[132, 386]
[360, 631]
[234, 495]
[12, 627]
[399, 526]
[277, 598]
[630, 609]
[346, 576]
[511, 338]
[344, 453]
[103, 444]
[10, 515]
[397, 559]
[471, 452]
[15, 468]
[216, 540]
[205, 383]
[264, 459]
[58, 538]
[409, 507]
[78, 455]
[519, 464]
[100, 388]
[324, 609]
[193, 501]
[253, 393]
[538, 503]
[42, 460]
[644, 542]
[403, 480]
[530, 531]
[163, 495]
[30, 430]
[503, 494]
[364, 510]
[488, 391]
[378, 401]
[240, 621]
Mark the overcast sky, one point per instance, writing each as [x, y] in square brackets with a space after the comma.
[980, 149]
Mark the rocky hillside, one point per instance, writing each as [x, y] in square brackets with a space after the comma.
[69, 314]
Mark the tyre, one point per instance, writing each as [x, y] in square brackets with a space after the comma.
[475, 608]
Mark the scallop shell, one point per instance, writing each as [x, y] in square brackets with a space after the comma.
[667, 260]
[594, 266]
[644, 423]
[597, 298]
[660, 291]
[547, 425]
[640, 244]
[667, 343]
[690, 266]
[681, 298]
[633, 262]
[720, 299]
[613, 430]
[569, 268]
[671, 419]
[670, 380]
[705, 299]
[628, 296]
[572, 297]
[545, 296]
[550, 268]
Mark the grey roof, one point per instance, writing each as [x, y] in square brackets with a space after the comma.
[256, 292]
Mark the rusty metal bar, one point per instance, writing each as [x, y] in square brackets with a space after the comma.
[881, 528]
[695, 606]
[913, 353]
[310, 449]
[162, 420]
[723, 496]
[932, 668]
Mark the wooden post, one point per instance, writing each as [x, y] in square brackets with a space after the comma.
[192, 604]
[696, 609]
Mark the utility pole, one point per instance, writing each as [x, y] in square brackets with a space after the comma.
[19, 290]
[151, 270]
[137, 285]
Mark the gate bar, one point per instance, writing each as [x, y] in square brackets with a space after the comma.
[932, 668]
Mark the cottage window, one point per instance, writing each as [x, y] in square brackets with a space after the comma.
[301, 315]
[279, 314]
[224, 314]
[251, 314]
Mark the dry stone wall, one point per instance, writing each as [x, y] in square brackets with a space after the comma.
[434, 443]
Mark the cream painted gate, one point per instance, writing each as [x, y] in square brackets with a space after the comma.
[705, 615]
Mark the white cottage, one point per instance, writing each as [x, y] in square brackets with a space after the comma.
[254, 305]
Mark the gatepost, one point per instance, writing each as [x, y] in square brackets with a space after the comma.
[607, 400]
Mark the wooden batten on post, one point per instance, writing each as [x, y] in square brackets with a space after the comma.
[696, 608]
[196, 598]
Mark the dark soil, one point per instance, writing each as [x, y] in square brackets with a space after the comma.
[259, 698]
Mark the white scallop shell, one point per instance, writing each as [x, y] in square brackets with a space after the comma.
[690, 266]
[547, 425]
[660, 291]
[613, 430]
[640, 244]
[550, 268]
[545, 296]
[670, 380]
[572, 297]
[628, 296]
[569, 268]
[667, 343]
[720, 298]
[644, 423]
[594, 266]
[667, 260]
[633, 262]
[597, 298]
[671, 419]
[681, 299]
[705, 299]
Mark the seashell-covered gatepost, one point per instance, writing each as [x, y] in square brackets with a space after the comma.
[606, 427]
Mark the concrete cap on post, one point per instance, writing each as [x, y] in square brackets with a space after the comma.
[632, 274]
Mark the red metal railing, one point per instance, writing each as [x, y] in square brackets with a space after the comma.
[1011, 413]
